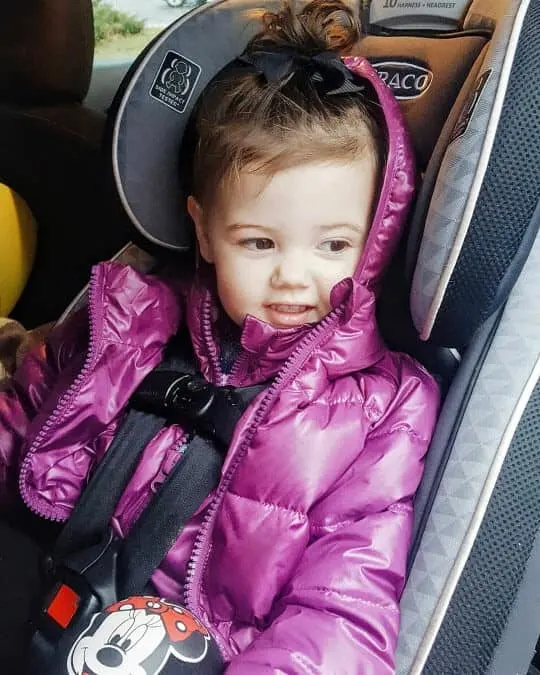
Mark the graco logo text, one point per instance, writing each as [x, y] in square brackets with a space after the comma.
[406, 80]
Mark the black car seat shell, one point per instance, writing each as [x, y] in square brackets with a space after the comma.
[51, 148]
[467, 277]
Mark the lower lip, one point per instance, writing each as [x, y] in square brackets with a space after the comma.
[288, 319]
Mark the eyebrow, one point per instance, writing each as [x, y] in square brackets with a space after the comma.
[244, 226]
[323, 228]
[348, 226]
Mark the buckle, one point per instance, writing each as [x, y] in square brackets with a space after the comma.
[190, 395]
[63, 606]
[79, 587]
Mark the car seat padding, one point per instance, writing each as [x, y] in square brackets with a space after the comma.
[447, 62]
[481, 220]
[153, 112]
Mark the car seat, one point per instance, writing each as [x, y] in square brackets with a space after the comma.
[464, 288]
[50, 148]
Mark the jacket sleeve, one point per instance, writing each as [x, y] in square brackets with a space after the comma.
[339, 614]
[23, 394]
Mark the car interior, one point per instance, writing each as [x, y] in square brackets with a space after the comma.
[78, 140]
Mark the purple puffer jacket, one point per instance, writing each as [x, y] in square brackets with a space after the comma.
[297, 561]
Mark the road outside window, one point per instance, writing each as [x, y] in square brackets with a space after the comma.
[123, 27]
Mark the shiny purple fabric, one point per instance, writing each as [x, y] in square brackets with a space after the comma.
[297, 561]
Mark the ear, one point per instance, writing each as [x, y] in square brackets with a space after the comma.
[197, 215]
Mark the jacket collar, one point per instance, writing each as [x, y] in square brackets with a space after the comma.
[132, 308]
[353, 343]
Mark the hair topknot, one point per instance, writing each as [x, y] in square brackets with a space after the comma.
[319, 26]
[246, 122]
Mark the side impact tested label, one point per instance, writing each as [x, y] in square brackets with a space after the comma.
[176, 81]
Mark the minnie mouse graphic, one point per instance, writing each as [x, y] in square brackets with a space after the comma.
[141, 636]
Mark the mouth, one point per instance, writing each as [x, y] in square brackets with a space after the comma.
[286, 315]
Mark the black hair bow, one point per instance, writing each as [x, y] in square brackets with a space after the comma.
[325, 70]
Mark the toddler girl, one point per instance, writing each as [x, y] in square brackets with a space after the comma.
[302, 176]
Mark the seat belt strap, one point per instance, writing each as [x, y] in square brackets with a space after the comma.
[171, 393]
[192, 479]
[94, 510]
[91, 516]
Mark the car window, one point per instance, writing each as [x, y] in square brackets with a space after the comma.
[122, 28]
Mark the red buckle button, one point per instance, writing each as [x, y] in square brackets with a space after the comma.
[63, 606]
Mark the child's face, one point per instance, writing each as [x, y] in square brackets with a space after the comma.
[279, 246]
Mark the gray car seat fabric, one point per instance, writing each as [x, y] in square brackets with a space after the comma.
[474, 190]
[153, 107]
[476, 509]
[501, 393]
[472, 263]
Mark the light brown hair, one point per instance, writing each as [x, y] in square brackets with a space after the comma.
[244, 122]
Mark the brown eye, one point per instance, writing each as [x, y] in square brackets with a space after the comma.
[259, 244]
[334, 245]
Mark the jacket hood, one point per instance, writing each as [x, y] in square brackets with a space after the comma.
[354, 342]
[356, 332]
[397, 184]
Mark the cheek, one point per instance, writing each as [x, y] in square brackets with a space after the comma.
[232, 271]
[333, 273]
[240, 285]
[235, 269]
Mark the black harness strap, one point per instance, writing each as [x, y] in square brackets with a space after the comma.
[92, 514]
[193, 478]
[174, 392]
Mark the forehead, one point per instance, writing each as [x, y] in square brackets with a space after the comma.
[316, 193]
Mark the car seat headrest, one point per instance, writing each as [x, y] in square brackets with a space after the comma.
[153, 107]
[426, 75]
[46, 51]
[439, 68]
[453, 106]
[424, 51]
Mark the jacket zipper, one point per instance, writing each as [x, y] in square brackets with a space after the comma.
[64, 402]
[234, 378]
[201, 549]
[238, 371]
[208, 337]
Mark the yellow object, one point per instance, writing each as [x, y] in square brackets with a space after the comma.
[18, 236]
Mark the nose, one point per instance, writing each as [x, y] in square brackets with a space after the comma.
[109, 656]
[291, 271]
